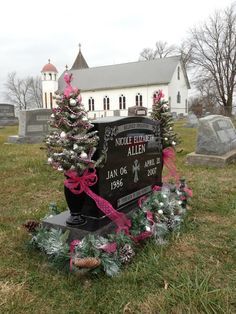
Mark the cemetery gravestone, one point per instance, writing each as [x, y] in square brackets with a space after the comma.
[33, 126]
[137, 111]
[7, 115]
[133, 166]
[216, 142]
[192, 121]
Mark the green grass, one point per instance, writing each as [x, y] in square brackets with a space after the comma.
[194, 273]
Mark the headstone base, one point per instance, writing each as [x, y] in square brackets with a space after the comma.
[211, 160]
[16, 139]
[59, 222]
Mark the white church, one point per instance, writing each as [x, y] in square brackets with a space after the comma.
[110, 90]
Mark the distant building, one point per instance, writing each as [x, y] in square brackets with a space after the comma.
[49, 84]
[110, 90]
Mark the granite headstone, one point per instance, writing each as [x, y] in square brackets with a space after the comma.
[216, 135]
[192, 121]
[33, 126]
[7, 115]
[133, 151]
[216, 142]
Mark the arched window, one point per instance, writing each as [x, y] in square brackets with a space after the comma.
[45, 100]
[91, 104]
[50, 76]
[44, 76]
[139, 100]
[178, 98]
[55, 77]
[178, 73]
[153, 97]
[122, 102]
[106, 103]
[51, 100]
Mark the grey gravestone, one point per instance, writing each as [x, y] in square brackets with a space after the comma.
[133, 166]
[216, 135]
[33, 126]
[216, 141]
[192, 121]
[174, 115]
[137, 111]
[7, 115]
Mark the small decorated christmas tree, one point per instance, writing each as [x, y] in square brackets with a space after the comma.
[161, 112]
[72, 146]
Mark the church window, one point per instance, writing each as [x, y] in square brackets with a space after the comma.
[106, 103]
[178, 73]
[51, 100]
[45, 100]
[44, 74]
[55, 77]
[122, 102]
[50, 76]
[91, 104]
[139, 100]
[178, 98]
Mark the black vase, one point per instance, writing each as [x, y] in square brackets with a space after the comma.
[75, 203]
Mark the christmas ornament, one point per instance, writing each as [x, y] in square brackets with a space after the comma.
[72, 102]
[83, 155]
[160, 212]
[63, 135]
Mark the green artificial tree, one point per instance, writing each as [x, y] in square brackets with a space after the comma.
[161, 112]
[73, 144]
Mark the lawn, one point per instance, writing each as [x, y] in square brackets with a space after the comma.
[194, 273]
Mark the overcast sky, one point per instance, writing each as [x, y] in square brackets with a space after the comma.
[110, 32]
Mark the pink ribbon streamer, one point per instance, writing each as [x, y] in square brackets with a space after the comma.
[78, 184]
[73, 244]
[169, 162]
[69, 89]
[109, 247]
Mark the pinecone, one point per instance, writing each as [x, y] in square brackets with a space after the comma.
[87, 262]
[126, 253]
[31, 225]
[170, 224]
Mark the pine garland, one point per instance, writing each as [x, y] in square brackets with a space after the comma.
[160, 214]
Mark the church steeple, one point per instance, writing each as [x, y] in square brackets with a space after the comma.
[80, 62]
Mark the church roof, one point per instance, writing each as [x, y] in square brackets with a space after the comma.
[49, 67]
[141, 73]
[80, 62]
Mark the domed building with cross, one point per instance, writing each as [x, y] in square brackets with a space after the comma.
[111, 89]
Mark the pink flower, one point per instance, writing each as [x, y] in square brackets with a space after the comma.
[156, 188]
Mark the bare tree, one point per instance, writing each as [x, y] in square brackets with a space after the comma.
[185, 50]
[23, 93]
[164, 50]
[35, 92]
[147, 54]
[214, 54]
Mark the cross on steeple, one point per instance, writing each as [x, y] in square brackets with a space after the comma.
[49, 60]
[79, 46]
